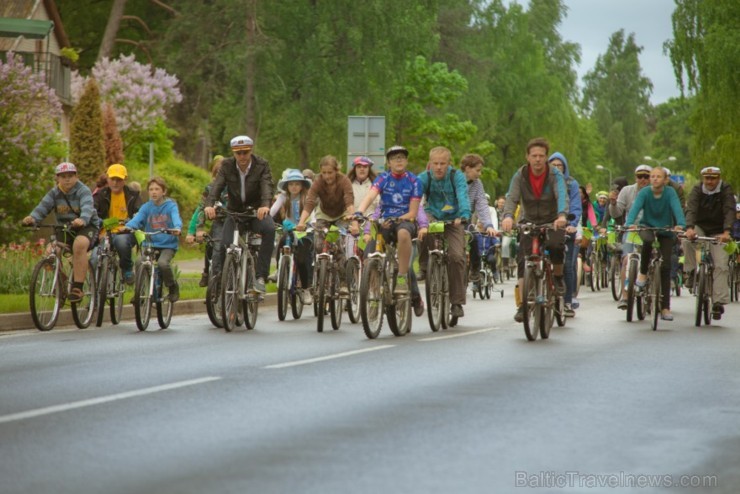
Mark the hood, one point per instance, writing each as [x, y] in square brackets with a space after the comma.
[559, 156]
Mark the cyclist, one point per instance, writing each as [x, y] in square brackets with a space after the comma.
[599, 205]
[287, 208]
[72, 202]
[710, 211]
[248, 182]
[334, 190]
[118, 200]
[472, 166]
[540, 191]
[660, 207]
[362, 177]
[446, 193]
[736, 224]
[161, 212]
[619, 206]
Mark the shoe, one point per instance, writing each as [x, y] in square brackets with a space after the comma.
[519, 316]
[717, 311]
[272, 278]
[128, 277]
[457, 311]
[666, 315]
[306, 297]
[418, 304]
[688, 280]
[421, 276]
[75, 295]
[203, 280]
[622, 304]
[575, 303]
[174, 295]
[402, 285]
[568, 311]
[560, 285]
[639, 286]
[259, 285]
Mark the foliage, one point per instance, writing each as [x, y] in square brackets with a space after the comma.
[30, 143]
[704, 50]
[160, 135]
[112, 138]
[86, 135]
[16, 265]
[616, 95]
[672, 132]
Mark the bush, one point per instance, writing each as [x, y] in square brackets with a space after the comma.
[16, 265]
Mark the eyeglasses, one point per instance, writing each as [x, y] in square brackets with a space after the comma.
[644, 176]
[242, 153]
[397, 157]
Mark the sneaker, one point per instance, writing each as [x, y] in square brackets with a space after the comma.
[418, 304]
[402, 285]
[128, 277]
[666, 315]
[203, 280]
[622, 304]
[259, 285]
[306, 297]
[575, 303]
[174, 295]
[717, 311]
[569, 312]
[272, 278]
[519, 316]
[75, 295]
[457, 311]
[560, 285]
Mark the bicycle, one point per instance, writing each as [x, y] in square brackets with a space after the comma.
[704, 281]
[437, 285]
[484, 288]
[239, 304]
[148, 287]
[213, 290]
[288, 282]
[376, 288]
[327, 277]
[542, 304]
[649, 298]
[733, 278]
[108, 276]
[354, 280]
[614, 263]
[633, 267]
[51, 282]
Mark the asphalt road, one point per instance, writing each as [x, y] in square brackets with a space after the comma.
[601, 406]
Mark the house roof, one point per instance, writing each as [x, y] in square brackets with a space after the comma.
[23, 10]
[28, 28]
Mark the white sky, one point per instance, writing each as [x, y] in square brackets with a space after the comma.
[590, 23]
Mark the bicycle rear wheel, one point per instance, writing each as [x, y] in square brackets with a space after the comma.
[250, 304]
[532, 311]
[434, 289]
[213, 301]
[371, 297]
[84, 310]
[283, 286]
[353, 283]
[164, 306]
[699, 288]
[102, 274]
[614, 272]
[656, 296]
[142, 298]
[579, 276]
[322, 286]
[708, 284]
[116, 290]
[336, 303]
[632, 268]
[593, 276]
[45, 295]
[296, 302]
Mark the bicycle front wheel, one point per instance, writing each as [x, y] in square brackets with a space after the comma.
[631, 278]
[116, 290]
[322, 287]
[614, 272]
[231, 306]
[164, 307]
[531, 309]
[84, 310]
[45, 295]
[656, 296]
[213, 301]
[353, 283]
[142, 297]
[335, 302]
[283, 289]
[252, 298]
[101, 274]
[435, 291]
[371, 297]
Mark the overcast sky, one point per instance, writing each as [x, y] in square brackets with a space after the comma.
[590, 23]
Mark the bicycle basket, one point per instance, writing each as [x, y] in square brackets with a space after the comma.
[436, 227]
[332, 235]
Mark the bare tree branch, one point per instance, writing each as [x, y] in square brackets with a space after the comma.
[166, 7]
[139, 20]
[139, 45]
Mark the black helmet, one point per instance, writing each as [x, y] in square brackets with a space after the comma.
[395, 150]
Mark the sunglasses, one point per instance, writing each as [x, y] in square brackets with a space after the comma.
[241, 153]
[643, 175]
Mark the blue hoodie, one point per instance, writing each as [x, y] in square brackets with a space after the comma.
[572, 185]
[152, 217]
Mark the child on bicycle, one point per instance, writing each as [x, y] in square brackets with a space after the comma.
[72, 201]
[660, 207]
[158, 213]
[472, 166]
[287, 208]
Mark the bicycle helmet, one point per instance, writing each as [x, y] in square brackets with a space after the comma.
[395, 150]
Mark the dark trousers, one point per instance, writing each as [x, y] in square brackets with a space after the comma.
[555, 245]
[264, 227]
[666, 249]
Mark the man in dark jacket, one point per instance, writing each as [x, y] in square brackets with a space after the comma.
[710, 211]
[118, 200]
[248, 183]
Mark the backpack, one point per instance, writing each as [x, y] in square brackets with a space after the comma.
[452, 181]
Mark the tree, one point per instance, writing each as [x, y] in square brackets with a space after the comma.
[616, 95]
[705, 50]
[30, 143]
[86, 135]
[111, 29]
[112, 138]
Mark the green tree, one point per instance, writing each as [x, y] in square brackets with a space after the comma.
[86, 135]
[616, 96]
[705, 50]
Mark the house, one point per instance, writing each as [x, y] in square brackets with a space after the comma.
[33, 29]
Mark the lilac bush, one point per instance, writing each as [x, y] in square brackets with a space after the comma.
[30, 144]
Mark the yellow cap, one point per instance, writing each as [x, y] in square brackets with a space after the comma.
[117, 171]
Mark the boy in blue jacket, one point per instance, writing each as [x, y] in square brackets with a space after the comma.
[158, 213]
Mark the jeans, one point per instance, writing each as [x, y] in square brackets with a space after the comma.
[264, 227]
[571, 262]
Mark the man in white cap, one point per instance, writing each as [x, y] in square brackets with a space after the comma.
[710, 212]
[118, 200]
[619, 207]
[248, 182]
[72, 201]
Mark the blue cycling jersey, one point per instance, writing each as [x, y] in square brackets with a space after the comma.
[396, 192]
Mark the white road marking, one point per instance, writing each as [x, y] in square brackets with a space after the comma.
[327, 357]
[456, 335]
[103, 399]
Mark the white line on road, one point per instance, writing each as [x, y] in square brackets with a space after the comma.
[327, 357]
[103, 399]
[457, 335]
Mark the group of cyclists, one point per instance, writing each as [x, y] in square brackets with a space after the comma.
[402, 205]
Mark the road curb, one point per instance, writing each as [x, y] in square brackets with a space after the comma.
[22, 320]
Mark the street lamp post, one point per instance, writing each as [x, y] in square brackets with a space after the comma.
[602, 168]
[660, 162]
